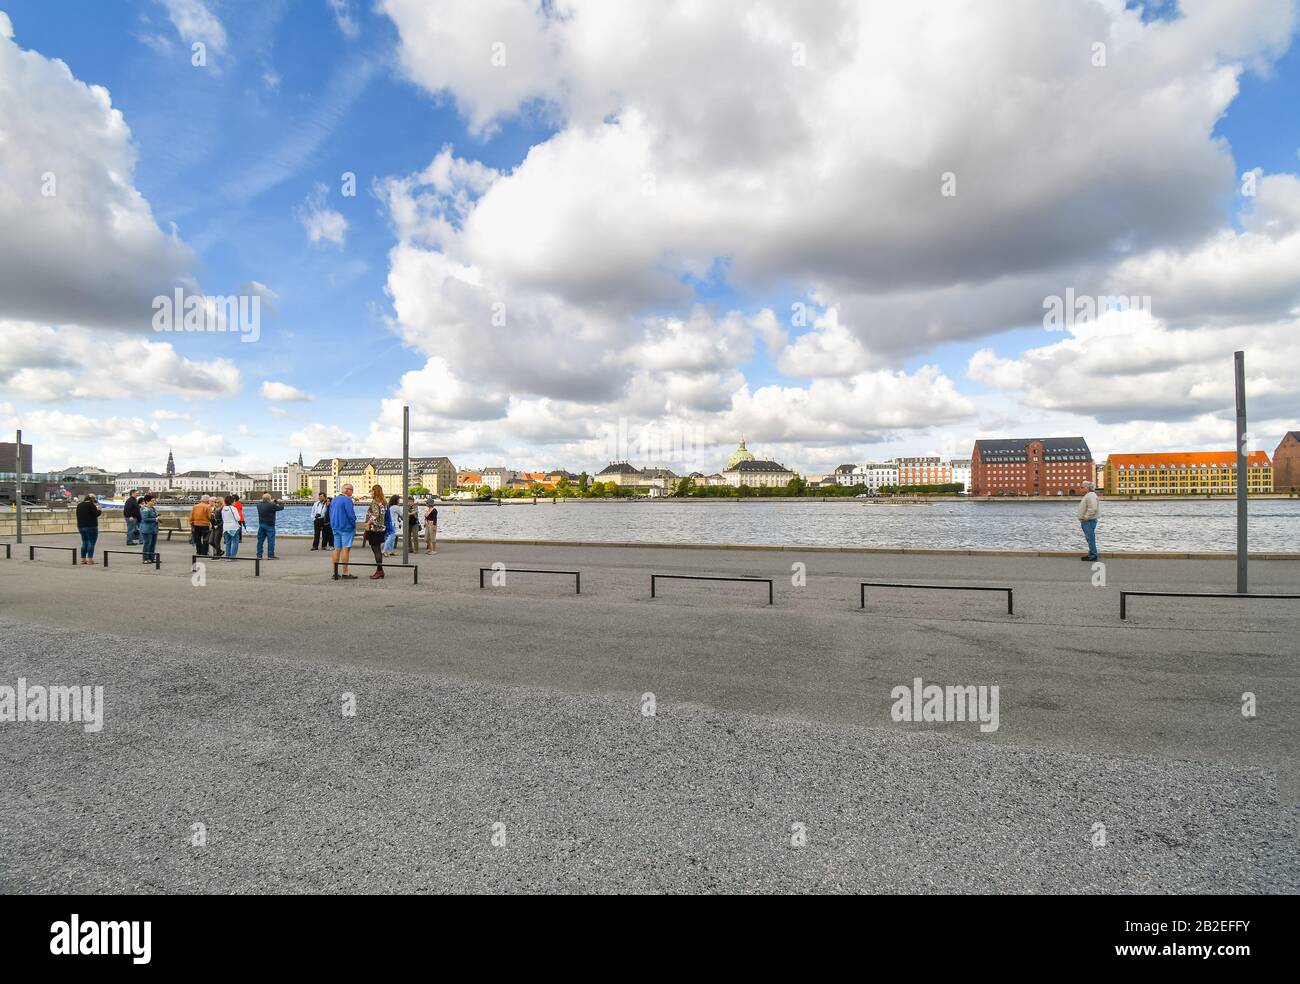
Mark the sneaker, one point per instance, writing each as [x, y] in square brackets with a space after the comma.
[335, 576]
[1093, 559]
[348, 577]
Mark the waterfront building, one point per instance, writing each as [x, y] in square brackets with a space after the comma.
[959, 469]
[757, 473]
[1185, 473]
[875, 474]
[469, 479]
[1031, 466]
[843, 475]
[1286, 464]
[498, 478]
[927, 470]
[359, 473]
[437, 474]
[324, 477]
[288, 478]
[145, 481]
[620, 473]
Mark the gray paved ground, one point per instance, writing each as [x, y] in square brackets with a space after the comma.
[521, 706]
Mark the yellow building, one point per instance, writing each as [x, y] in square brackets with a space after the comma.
[1184, 473]
[359, 473]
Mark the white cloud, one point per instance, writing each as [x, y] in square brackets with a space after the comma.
[284, 393]
[80, 243]
[322, 223]
[49, 364]
[345, 18]
[195, 22]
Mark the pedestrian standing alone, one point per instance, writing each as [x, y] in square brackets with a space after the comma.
[148, 527]
[377, 529]
[201, 524]
[131, 513]
[230, 528]
[88, 513]
[431, 528]
[1089, 511]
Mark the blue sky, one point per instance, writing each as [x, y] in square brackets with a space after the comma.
[233, 158]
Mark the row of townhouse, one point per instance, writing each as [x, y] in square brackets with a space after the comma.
[329, 475]
[893, 472]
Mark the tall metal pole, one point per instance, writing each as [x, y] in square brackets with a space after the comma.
[406, 483]
[18, 485]
[1243, 470]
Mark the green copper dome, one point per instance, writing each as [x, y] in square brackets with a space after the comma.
[739, 455]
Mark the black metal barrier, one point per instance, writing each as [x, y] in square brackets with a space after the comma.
[256, 561]
[357, 563]
[707, 577]
[1123, 597]
[577, 575]
[32, 548]
[863, 585]
[157, 557]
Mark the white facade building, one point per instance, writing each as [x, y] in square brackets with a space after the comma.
[875, 474]
[288, 479]
[961, 473]
[757, 473]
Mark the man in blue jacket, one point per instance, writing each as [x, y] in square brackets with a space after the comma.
[343, 523]
[266, 510]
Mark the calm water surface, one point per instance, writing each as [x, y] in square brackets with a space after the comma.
[1189, 525]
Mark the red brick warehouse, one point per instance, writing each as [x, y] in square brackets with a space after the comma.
[1031, 466]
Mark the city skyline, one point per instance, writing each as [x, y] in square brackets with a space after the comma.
[423, 231]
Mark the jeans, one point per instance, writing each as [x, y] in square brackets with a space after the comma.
[232, 543]
[1090, 531]
[89, 534]
[390, 540]
[149, 542]
[132, 530]
[266, 534]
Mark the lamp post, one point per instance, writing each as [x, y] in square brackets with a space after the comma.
[1243, 470]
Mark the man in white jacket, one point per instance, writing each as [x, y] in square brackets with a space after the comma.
[1089, 510]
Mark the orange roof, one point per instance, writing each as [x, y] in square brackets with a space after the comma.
[1220, 458]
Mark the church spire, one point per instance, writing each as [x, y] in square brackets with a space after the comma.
[171, 464]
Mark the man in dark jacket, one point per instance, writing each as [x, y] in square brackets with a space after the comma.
[266, 510]
[131, 513]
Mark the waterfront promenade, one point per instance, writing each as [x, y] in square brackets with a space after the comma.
[522, 706]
